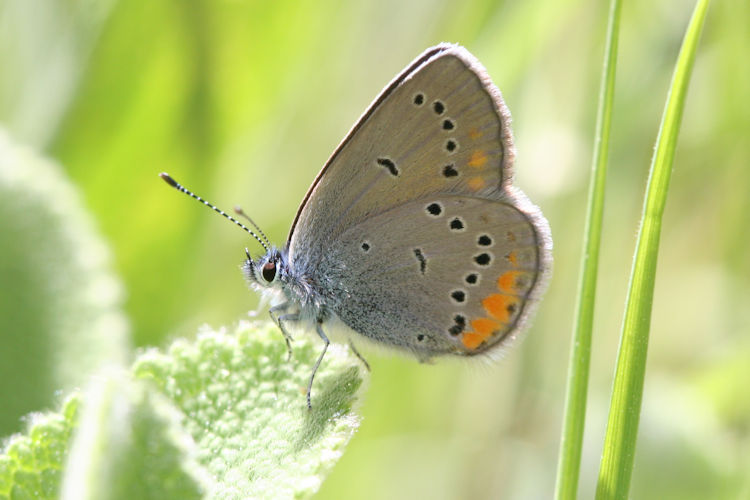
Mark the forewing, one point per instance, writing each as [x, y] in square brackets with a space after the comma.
[440, 126]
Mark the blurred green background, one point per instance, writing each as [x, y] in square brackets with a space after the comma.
[243, 101]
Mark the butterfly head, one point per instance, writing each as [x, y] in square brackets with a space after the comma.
[267, 271]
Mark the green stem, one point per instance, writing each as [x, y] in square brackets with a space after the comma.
[569, 462]
[622, 426]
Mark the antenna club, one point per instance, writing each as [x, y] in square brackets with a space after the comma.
[264, 242]
[169, 180]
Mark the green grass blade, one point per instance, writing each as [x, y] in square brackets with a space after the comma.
[569, 461]
[622, 425]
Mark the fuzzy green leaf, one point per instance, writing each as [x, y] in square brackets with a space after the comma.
[223, 416]
[31, 464]
[244, 405]
[129, 444]
[60, 306]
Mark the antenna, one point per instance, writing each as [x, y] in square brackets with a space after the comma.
[179, 187]
[238, 210]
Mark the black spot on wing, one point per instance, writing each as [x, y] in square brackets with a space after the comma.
[434, 209]
[388, 163]
[459, 323]
[484, 240]
[483, 259]
[450, 171]
[422, 260]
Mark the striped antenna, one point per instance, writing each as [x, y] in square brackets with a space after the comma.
[179, 187]
[238, 210]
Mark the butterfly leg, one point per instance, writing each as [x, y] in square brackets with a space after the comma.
[279, 321]
[319, 328]
[356, 352]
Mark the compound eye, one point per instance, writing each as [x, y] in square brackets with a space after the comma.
[268, 271]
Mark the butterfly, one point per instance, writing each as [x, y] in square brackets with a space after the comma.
[412, 235]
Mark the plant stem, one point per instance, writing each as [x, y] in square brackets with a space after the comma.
[569, 462]
[624, 413]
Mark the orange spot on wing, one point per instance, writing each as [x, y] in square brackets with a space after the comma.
[512, 258]
[477, 159]
[507, 282]
[476, 183]
[485, 326]
[500, 306]
[474, 133]
[471, 340]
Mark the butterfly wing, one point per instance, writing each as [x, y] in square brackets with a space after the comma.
[440, 275]
[440, 125]
[438, 136]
